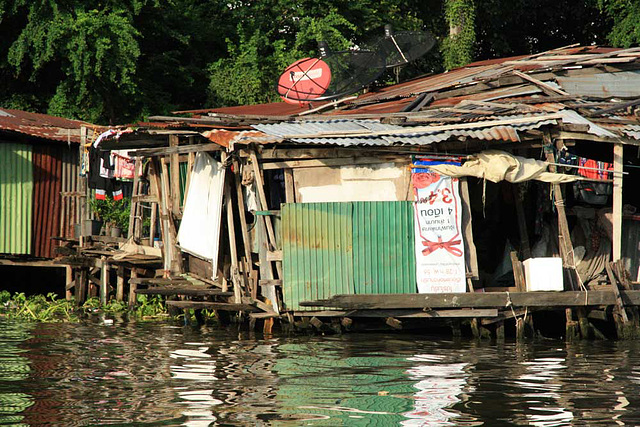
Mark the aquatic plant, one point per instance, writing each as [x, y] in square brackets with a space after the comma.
[41, 308]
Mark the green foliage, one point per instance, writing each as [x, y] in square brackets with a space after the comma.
[150, 306]
[458, 47]
[269, 35]
[626, 21]
[114, 212]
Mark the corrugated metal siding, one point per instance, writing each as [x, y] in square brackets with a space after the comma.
[47, 201]
[70, 209]
[16, 195]
[346, 248]
[317, 240]
[384, 259]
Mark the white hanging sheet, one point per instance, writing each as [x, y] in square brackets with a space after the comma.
[199, 232]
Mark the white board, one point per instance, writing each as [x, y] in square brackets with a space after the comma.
[199, 232]
[439, 250]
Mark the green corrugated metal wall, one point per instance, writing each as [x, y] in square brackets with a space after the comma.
[317, 244]
[16, 198]
[384, 257]
[346, 248]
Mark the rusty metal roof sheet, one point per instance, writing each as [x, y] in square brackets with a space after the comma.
[41, 125]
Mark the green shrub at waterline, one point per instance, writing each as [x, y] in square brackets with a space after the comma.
[41, 308]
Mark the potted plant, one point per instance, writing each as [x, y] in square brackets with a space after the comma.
[115, 213]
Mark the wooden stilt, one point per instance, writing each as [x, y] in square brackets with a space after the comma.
[132, 288]
[68, 281]
[500, 330]
[104, 286]
[618, 153]
[520, 329]
[583, 323]
[120, 283]
[475, 329]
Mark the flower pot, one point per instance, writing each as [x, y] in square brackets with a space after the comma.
[92, 227]
[115, 231]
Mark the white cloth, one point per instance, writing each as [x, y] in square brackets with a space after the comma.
[199, 232]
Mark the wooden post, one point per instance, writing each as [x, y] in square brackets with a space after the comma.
[133, 215]
[246, 238]
[500, 330]
[190, 162]
[68, 280]
[518, 272]
[152, 223]
[566, 247]
[233, 250]
[132, 289]
[289, 186]
[618, 154]
[525, 249]
[164, 213]
[81, 286]
[120, 284]
[104, 286]
[174, 161]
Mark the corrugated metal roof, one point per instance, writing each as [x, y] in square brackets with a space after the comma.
[41, 125]
[422, 137]
[623, 83]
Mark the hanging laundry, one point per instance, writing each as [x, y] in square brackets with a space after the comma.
[124, 166]
[101, 171]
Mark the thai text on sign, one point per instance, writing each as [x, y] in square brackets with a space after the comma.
[439, 247]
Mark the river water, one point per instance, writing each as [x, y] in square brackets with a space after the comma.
[165, 374]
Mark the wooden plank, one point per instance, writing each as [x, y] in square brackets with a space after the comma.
[518, 272]
[222, 306]
[233, 250]
[174, 162]
[274, 256]
[341, 161]
[546, 88]
[459, 313]
[164, 224]
[477, 300]
[189, 291]
[158, 281]
[616, 292]
[270, 282]
[470, 253]
[289, 186]
[618, 153]
[184, 149]
[175, 258]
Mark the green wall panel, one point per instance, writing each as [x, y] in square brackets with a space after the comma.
[346, 248]
[16, 198]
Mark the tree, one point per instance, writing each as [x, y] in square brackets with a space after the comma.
[625, 31]
[459, 45]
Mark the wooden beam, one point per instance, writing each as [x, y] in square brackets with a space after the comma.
[246, 237]
[616, 292]
[188, 291]
[274, 256]
[120, 283]
[476, 300]
[342, 161]
[164, 214]
[618, 153]
[546, 88]
[132, 288]
[174, 163]
[402, 314]
[172, 234]
[104, 285]
[233, 249]
[222, 306]
[183, 149]
[518, 272]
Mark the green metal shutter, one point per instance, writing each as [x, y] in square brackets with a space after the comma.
[346, 248]
[16, 198]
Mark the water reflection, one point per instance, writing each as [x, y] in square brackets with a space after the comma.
[160, 374]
